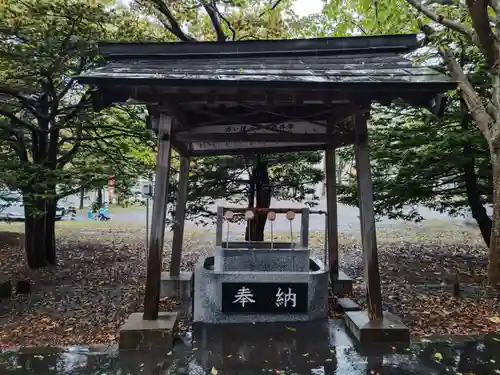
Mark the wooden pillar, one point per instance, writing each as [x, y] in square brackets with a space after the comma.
[304, 228]
[219, 224]
[180, 213]
[323, 183]
[367, 218]
[331, 207]
[156, 240]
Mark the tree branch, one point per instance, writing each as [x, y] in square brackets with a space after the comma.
[272, 7]
[214, 17]
[440, 2]
[173, 25]
[453, 25]
[68, 156]
[26, 102]
[478, 10]
[85, 100]
[471, 97]
[17, 120]
[226, 21]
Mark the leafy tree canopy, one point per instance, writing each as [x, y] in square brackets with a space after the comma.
[47, 125]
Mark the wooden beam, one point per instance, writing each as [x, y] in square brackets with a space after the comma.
[242, 210]
[181, 148]
[252, 137]
[281, 97]
[153, 276]
[331, 204]
[170, 106]
[367, 218]
[152, 123]
[180, 216]
[251, 151]
[216, 118]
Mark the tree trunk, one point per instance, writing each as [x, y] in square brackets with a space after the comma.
[33, 231]
[339, 170]
[473, 194]
[50, 229]
[99, 198]
[478, 210]
[82, 198]
[261, 190]
[494, 253]
[39, 232]
[251, 204]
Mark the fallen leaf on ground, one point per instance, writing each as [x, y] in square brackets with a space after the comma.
[99, 281]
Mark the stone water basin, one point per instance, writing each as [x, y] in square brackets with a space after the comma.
[272, 278]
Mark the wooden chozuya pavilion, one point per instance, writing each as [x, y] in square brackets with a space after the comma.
[212, 98]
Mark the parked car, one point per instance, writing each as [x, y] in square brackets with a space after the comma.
[12, 208]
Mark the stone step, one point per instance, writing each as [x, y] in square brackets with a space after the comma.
[342, 285]
[347, 304]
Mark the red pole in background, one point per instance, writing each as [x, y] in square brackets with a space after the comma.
[111, 189]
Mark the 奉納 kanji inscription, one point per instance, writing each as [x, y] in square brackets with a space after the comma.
[273, 298]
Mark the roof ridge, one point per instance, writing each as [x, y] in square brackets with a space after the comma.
[258, 48]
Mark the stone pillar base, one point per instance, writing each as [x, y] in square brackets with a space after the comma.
[179, 287]
[388, 330]
[139, 334]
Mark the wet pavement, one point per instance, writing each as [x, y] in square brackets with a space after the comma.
[320, 348]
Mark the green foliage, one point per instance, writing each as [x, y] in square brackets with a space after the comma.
[228, 178]
[418, 159]
[47, 122]
[55, 144]
[238, 19]
[366, 17]
[118, 145]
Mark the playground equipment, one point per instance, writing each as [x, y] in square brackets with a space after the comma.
[102, 214]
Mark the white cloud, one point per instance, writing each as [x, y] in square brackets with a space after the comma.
[307, 7]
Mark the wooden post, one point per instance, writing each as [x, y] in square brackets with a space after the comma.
[367, 219]
[304, 228]
[180, 213]
[219, 224]
[323, 184]
[156, 240]
[331, 207]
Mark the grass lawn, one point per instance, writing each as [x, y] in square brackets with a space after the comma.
[100, 278]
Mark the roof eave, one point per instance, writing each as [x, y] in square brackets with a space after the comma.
[131, 82]
[256, 48]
